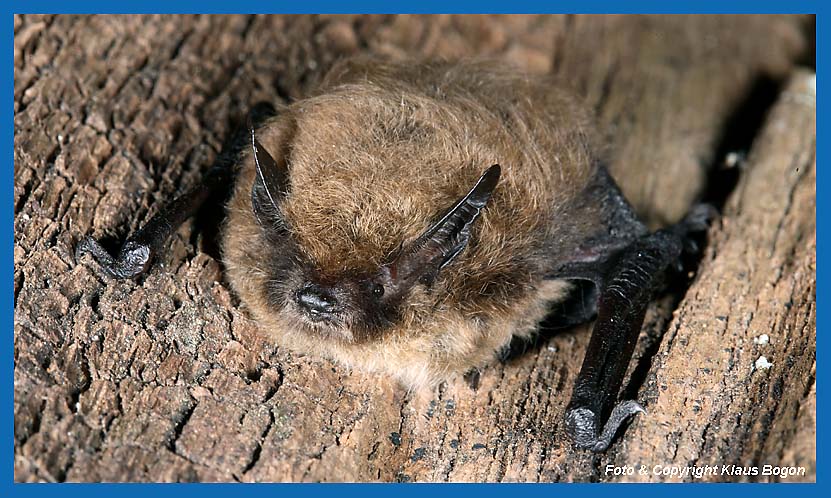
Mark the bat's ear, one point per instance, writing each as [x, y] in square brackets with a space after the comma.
[270, 184]
[445, 239]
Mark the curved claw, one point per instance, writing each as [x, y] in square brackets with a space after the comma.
[690, 230]
[699, 218]
[691, 247]
[581, 425]
[133, 259]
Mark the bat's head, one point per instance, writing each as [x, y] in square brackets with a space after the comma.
[376, 227]
[327, 291]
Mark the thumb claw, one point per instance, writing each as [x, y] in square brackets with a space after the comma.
[621, 412]
[581, 425]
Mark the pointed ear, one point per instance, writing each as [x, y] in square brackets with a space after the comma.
[270, 184]
[445, 239]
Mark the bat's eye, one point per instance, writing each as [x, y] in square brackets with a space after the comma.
[377, 290]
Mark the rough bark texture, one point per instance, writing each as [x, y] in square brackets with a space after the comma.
[166, 378]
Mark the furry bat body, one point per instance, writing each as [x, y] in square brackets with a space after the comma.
[412, 219]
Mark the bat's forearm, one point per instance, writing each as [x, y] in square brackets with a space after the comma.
[592, 417]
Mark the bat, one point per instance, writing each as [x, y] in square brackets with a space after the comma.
[410, 219]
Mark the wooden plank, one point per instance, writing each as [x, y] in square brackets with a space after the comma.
[712, 396]
[167, 379]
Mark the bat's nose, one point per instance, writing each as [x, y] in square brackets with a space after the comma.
[316, 301]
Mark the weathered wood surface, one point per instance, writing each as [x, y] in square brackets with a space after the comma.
[167, 379]
[710, 401]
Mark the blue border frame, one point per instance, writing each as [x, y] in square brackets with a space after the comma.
[7, 488]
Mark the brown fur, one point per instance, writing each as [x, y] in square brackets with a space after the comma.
[375, 157]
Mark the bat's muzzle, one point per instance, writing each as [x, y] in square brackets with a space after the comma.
[317, 302]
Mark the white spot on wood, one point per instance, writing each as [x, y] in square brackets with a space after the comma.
[732, 159]
[762, 339]
[763, 364]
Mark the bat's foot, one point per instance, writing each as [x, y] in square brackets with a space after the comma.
[582, 427]
[698, 219]
[693, 225]
[690, 231]
[133, 260]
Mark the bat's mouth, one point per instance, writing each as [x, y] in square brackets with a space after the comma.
[328, 330]
[327, 326]
[316, 317]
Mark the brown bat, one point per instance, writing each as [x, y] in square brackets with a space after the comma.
[410, 219]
